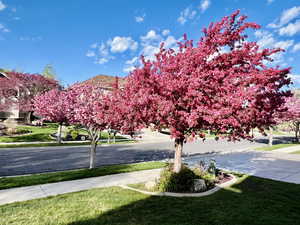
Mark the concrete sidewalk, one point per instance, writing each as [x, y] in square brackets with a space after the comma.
[45, 190]
[271, 165]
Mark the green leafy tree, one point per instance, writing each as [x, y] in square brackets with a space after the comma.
[49, 72]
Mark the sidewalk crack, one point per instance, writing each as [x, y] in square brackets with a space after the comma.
[43, 191]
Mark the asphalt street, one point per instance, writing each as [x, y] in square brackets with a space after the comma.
[18, 161]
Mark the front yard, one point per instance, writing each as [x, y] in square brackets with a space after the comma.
[44, 178]
[253, 201]
[41, 134]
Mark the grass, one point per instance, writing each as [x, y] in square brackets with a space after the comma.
[21, 181]
[274, 147]
[41, 134]
[63, 144]
[253, 201]
[37, 134]
[296, 152]
[142, 186]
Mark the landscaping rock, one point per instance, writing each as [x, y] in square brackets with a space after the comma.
[150, 185]
[199, 185]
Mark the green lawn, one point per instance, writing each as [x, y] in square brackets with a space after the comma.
[254, 201]
[37, 134]
[274, 147]
[119, 141]
[41, 134]
[44, 178]
[297, 152]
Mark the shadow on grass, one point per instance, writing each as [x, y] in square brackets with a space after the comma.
[276, 140]
[27, 138]
[252, 201]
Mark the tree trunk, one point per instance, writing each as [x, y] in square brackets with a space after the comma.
[93, 154]
[114, 138]
[108, 139]
[178, 154]
[28, 117]
[271, 137]
[59, 133]
[297, 131]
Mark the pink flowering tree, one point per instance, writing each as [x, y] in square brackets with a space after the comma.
[221, 84]
[89, 110]
[54, 106]
[292, 115]
[20, 89]
[118, 113]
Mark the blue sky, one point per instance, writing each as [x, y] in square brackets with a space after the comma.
[84, 38]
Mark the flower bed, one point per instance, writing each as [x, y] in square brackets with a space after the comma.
[226, 183]
[198, 181]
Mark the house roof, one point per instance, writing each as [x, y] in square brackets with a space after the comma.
[2, 74]
[106, 81]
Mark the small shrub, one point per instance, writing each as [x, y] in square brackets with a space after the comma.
[210, 179]
[176, 182]
[74, 134]
[22, 131]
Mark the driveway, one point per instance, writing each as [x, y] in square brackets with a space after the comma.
[271, 165]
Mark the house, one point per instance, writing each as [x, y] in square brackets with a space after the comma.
[107, 82]
[13, 111]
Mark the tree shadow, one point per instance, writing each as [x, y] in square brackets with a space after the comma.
[276, 140]
[252, 201]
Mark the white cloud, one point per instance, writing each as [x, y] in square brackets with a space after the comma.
[90, 53]
[103, 49]
[296, 47]
[101, 61]
[128, 69]
[100, 53]
[286, 16]
[103, 55]
[132, 61]
[3, 28]
[150, 36]
[27, 38]
[185, 15]
[140, 19]
[130, 65]
[204, 5]
[289, 14]
[284, 44]
[170, 42]
[103, 52]
[122, 44]
[2, 6]
[165, 32]
[94, 45]
[149, 52]
[291, 29]
[295, 78]
[270, 1]
[150, 44]
[267, 40]
[152, 41]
